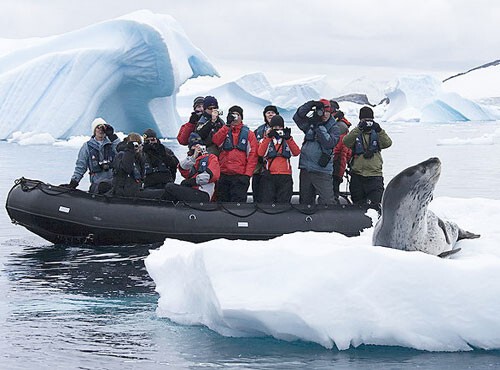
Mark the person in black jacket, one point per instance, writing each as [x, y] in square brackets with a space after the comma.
[159, 162]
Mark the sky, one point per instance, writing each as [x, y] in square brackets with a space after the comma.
[289, 39]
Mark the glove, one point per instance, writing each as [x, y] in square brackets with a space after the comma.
[287, 133]
[194, 118]
[130, 146]
[376, 127]
[272, 134]
[110, 133]
[189, 182]
[319, 105]
[72, 184]
[230, 118]
[338, 115]
[365, 125]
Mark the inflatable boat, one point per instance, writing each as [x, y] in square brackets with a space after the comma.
[67, 216]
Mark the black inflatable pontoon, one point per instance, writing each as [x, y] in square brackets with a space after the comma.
[66, 216]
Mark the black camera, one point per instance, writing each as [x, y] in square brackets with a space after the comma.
[104, 165]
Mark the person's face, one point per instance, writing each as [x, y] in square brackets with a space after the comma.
[150, 140]
[99, 132]
[237, 118]
[269, 114]
[326, 116]
[199, 108]
[210, 109]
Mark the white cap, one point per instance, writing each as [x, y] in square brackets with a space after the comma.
[97, 122]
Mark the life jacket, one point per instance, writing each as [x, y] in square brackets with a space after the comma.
[373, 145]
[285, 150]
[260, 131]
[100, 160]
[202, 167]
[242, 140]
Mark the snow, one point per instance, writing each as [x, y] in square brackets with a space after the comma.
[339, 291]
[127, 70]
[478, 84]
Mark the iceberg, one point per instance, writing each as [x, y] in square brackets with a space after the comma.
[127, 70]
[422, 98]
[340, 292]
[253, 92]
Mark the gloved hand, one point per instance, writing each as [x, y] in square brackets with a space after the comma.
[376, 127]
[365, 126]
[272, 133]
[189, 182]
[195, 117]
[110, 132]
[287, 133]
[230, 118]
[72, 184]
[338, 115]
[319, 105]
[130, 146]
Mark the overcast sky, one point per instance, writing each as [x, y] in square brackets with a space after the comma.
[355, 37]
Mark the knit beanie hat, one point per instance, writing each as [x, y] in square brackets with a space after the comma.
[210, 101]
[194, 139]
[149, 133]
[197, 101]
[236, 108]
[277, 121]
[366, 113]
[97, 122]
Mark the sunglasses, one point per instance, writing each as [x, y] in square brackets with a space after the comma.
[212, 107]
[101, 127]
[150, 140]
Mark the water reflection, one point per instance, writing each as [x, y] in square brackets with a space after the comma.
[113, 271]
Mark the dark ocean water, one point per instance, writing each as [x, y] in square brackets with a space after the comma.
[68, 307]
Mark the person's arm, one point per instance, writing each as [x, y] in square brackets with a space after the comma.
[264, 144]
[294, 148]
[81, 164]
[300, 117]
[219, 137]
[350, 138]
[252, 156]
[384, 140]
[327, 139]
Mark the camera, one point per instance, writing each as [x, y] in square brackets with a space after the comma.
[104, 165]
[219, 111]
[280, 132]
[203, 149]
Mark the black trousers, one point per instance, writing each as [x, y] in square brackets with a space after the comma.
[366, 189]
[276, 188]
[257, 188]
[175, 193]
[232, 188]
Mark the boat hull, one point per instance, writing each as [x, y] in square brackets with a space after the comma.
[67, 216]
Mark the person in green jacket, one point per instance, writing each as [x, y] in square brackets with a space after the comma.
[366, 141]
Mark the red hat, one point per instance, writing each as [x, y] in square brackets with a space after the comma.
[326, 103]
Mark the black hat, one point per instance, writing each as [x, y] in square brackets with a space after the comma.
[210, 101]
[271, 108]
[366, 113]
[194, 139]
[236, 108]
[197, 101]
[149, 133]
[277, 121]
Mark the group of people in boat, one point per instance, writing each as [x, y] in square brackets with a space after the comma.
[225, 156]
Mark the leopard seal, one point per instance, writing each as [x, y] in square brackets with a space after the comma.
[406, 223]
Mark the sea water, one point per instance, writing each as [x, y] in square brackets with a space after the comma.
[94, 308]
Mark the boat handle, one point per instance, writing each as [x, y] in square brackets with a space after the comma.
[309, 218]
[192, 217]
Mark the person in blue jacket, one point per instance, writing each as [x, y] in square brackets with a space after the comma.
[321, 134]
[96, 156]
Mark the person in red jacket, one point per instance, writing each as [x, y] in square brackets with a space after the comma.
[200, 169]
[341, 153]
[277, 148]
[186, 129]
[237, 158]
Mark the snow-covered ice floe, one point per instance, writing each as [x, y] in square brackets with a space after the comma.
[338, 291]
